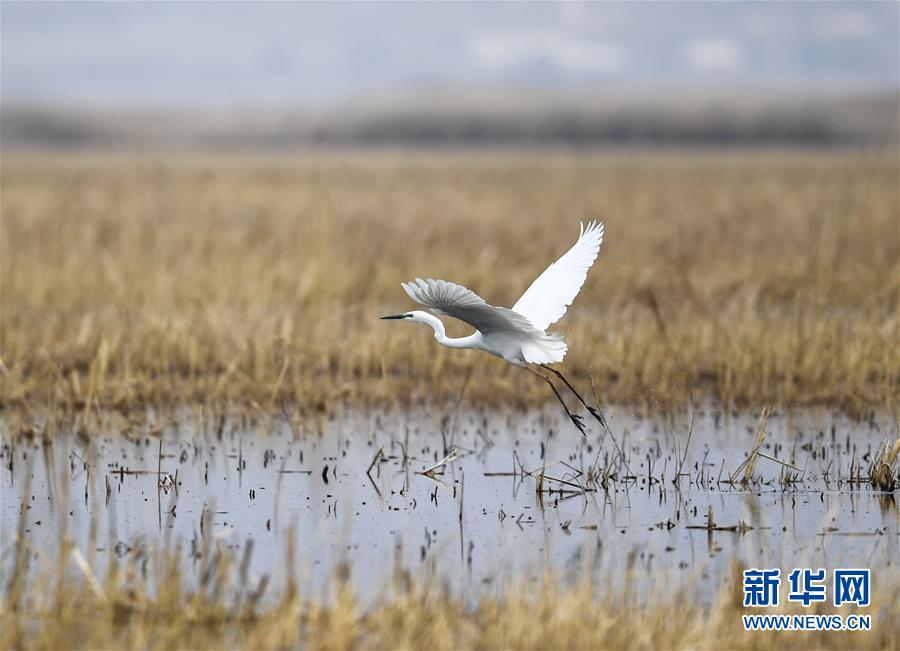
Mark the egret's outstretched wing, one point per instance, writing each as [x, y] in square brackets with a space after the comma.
[454, 300]
[546, 300]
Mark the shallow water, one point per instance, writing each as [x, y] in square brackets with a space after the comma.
[479, 520]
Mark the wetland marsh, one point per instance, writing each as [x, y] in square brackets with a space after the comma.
[209, 438]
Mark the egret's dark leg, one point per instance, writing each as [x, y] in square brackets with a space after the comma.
[595, 412]
[577, 420]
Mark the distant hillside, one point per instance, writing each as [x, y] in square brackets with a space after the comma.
[465, 118]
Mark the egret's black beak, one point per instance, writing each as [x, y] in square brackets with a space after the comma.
[396, 316]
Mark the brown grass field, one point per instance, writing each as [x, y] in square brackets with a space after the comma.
[748, 278]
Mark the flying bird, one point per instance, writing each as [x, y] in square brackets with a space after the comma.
[518, 334]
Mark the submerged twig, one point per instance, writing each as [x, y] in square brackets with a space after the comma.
[450, 458]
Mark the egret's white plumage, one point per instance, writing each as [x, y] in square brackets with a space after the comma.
[519, 334]
[548, 297]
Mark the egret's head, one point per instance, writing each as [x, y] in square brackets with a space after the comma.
[416, 315]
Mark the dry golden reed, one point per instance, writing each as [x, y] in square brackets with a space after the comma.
[68, 606]
[751, 278]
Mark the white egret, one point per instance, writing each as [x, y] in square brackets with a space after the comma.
[518, 334]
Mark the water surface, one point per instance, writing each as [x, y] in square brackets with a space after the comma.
[523, 493]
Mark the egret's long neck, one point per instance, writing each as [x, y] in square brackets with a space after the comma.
[440, 333]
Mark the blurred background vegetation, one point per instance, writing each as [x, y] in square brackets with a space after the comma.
[574, 75]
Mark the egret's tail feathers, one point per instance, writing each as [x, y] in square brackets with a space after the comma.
[547, 350]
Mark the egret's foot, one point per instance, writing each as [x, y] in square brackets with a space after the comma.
[578, 421]
[596, 414]
[594, 411]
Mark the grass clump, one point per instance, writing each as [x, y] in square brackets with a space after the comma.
[882, 471]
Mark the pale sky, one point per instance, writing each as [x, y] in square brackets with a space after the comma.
[277, 55]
